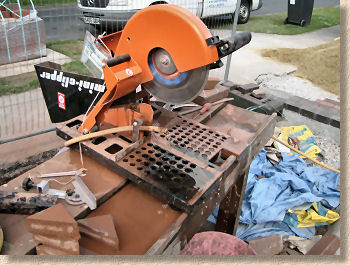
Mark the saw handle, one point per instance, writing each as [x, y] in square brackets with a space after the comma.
[118, 60]
[231, 44]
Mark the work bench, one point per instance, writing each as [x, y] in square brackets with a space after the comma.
[144, 223]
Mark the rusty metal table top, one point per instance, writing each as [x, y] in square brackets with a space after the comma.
[144, 223]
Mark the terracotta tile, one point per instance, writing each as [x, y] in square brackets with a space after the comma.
[54, 221]
[61, 243]
[100, 228]
[47, 250]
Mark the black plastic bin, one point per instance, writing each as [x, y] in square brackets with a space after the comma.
[299, 12]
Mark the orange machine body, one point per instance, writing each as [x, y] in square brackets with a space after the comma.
[172, 28]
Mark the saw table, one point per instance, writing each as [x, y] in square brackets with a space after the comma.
[147, 222]
[166, 172]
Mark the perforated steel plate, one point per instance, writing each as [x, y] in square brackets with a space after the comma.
[172, 174]
[178, 167]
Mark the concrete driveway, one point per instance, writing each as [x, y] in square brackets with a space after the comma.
[247, 65]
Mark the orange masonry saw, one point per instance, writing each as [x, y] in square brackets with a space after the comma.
[168, 51]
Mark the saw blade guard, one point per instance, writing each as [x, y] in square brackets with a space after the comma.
[172, 28]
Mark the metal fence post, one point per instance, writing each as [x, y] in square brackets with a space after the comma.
[234, 27]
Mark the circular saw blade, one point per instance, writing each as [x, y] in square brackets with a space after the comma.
[175, 88]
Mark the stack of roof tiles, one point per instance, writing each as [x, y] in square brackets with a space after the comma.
[55, 230]
[57, 233]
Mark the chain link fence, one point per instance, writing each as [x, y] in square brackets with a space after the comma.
[36, 31]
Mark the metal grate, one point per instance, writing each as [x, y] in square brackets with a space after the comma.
[166, 170]
[195, 139]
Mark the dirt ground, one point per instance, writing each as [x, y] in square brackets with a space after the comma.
[319, 64]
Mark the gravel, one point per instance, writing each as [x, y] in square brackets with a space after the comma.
[327, 137]
[279, 85]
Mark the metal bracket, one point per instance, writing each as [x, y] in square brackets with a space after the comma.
[136, 129]
[85, 194]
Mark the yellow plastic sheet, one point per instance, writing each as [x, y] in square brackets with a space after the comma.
[307, 140]
[315, 216]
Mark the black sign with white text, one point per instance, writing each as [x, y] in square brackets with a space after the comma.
[67, 95]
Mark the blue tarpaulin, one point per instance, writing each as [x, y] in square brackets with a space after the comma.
[273, 189]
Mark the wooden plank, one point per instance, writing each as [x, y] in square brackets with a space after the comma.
[229, 208]
[102, 182]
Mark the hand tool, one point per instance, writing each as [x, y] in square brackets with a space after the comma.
[80, 172]
[174, 107]
[205, 107]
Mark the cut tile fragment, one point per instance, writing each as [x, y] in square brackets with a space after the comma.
[91, 246]
[65, 244]
[54, 221]
[100, 228]
[47, 250]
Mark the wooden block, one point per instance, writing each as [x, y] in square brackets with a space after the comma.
[55, 221]
[100, 228]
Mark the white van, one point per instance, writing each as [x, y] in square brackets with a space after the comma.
[117, 12]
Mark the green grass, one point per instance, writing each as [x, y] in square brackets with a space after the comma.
[18, 83]
[322, 17]
[24, 82]
[71, 48]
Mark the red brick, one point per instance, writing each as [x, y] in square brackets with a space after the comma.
[270, 245]
[327, 245]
